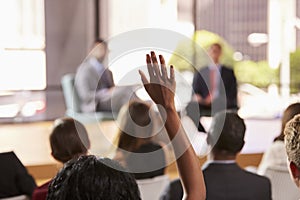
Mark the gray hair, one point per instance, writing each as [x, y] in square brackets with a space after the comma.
[292, 140]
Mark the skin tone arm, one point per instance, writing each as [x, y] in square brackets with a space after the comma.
[161, 89]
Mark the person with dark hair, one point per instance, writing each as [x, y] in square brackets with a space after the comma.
[68, 140]
[15, 179]
[136, 149]
[91, 178]
[95, 84]
[207, 85]
[275, 155]
[292, 146]
[224, 179]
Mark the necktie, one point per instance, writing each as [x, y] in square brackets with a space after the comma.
[212, 82]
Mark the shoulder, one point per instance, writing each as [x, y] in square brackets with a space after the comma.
[257, 179]
[226, 69]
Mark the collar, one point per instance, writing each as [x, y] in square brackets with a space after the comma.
[221, 162]
[96, 64]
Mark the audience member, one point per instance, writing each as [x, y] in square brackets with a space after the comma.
[91, 178]
[275, 155]
[95, 85]
[292, 145]
[15, 179]
[136, 149]
[68, 140]
[207, 85]
[224, 179]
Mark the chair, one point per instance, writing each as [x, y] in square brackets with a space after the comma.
[152, 189]
[283, 186]
[21, 197]
[72, 102]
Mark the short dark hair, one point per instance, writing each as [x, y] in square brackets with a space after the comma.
[99, 41]
[68, 139]
[227, 133]
[91, 178]
[218, 45]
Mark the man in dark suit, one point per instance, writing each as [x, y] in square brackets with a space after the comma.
[224, 179]
[215, 86]
[15, 179]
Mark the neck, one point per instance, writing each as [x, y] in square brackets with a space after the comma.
[221, 156]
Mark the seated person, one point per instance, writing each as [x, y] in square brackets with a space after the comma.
[136, 149]
[95, 85]
[91, 178]
[148, 161]
[15, 179]
[292, 146]
[224, 179]
[275, 155]
[68, 140]
[207, 85]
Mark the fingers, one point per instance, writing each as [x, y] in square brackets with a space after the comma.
[172, 74]
[154, 71]
[143, 77]
[149, 66]
[164, 74]
[155, 64]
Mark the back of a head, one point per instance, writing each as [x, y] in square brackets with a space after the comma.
[227, 133]
[136, 125]
[292, 140]
[288, 114]
[91, 178]
[68, 139]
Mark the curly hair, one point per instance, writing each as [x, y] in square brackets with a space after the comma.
[292, 140]
[91, 178]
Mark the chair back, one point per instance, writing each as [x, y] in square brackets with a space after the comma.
[21, 197]
[70, 94]
[152, 189]
[283, 186]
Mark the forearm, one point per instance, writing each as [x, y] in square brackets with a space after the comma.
[187, 162]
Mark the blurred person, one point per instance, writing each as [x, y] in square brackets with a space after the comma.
[207, 85]
[15, 179]
[68, 140]
[95, 84]
[136, 149]
[91, 178]
[224, 179]
[275, 155]
[292, 146]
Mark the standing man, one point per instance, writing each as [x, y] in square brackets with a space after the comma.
[208, 88]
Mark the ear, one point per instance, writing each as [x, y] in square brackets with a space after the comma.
[294, 170]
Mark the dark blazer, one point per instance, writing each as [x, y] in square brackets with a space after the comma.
[229, 181]
[226, 182]
[89, 83]
[14, 179]
[201, 83]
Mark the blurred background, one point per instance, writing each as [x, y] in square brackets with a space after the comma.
[42, 40]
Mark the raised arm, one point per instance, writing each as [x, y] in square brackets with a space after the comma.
[161, 89]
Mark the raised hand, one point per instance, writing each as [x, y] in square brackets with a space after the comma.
[160, 88]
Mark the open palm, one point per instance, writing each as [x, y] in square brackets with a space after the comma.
[160, 88]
